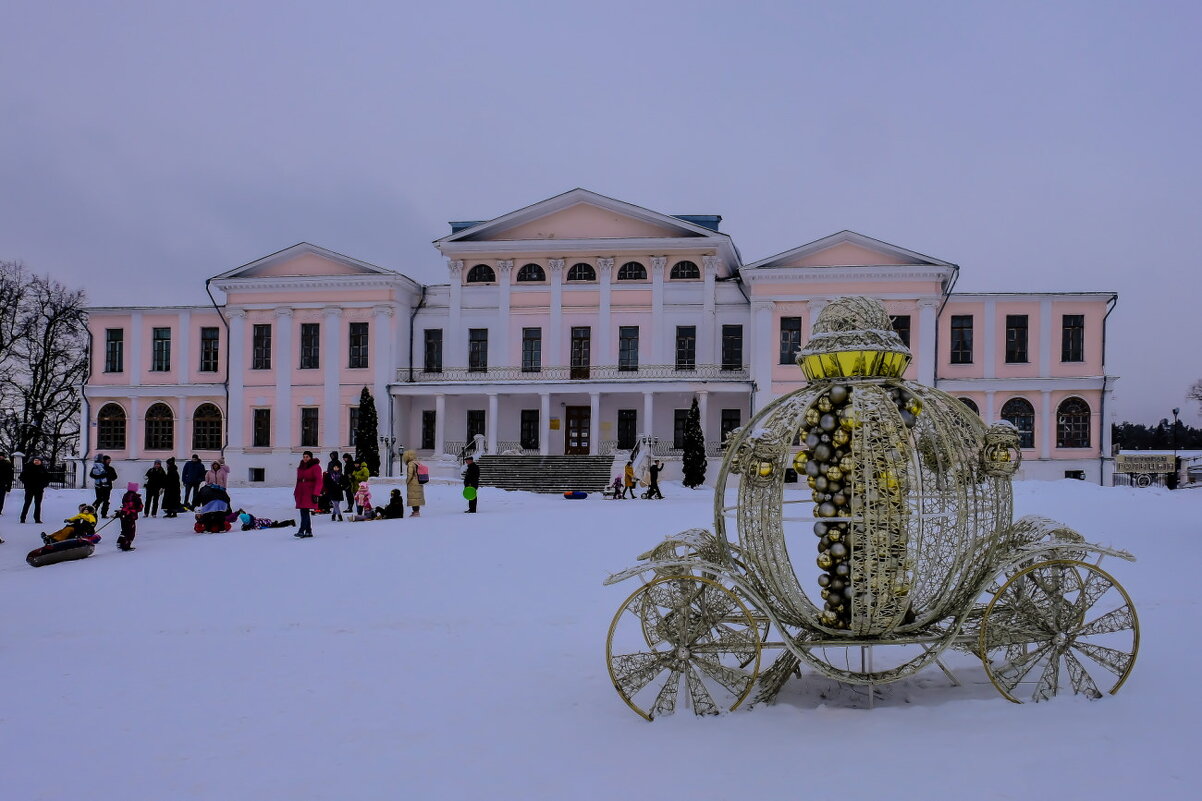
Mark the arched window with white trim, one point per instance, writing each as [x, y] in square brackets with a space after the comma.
[160, 428]
[1072, 424]
[206, 428]
[1021, 414]
[110, 428]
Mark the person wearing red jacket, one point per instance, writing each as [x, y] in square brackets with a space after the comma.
[308, 487]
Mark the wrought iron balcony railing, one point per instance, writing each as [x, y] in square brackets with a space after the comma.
[612, 372]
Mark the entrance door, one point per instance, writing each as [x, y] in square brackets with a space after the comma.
[576, 439]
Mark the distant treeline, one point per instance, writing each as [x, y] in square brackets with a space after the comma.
[1160, 437]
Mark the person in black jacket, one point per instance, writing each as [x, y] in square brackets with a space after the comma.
[471, 478]
[6, 479]
[171, 500]
[194, 476]
[334, 488]
[103, 475]
[35, 478]
[156, 480]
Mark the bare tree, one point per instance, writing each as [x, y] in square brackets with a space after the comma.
[1195, 393]
[43, 362]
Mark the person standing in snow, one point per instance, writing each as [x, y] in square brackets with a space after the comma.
[415, 493]
[308, 485]
[471, 478]
[656, 468]
[35, 478]
[6, 479]
[193, 477]
[103, 476]
[628, 481]
[156, 479]
[334, 487]
[131, 504]
[220, 473]
[171, 499]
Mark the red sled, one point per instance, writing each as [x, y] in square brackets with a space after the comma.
[56, 552]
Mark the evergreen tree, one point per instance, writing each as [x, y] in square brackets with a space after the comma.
[367, 447]
[694, 448]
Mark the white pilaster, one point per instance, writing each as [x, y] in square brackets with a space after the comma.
[648, 426]
[927, 310]
[136, 429]
[553, 355]
[544, 422]
[383, 364]
[235, 415]
[710, 334]
[440, 423]
[183, 355]
[594, 422]
[703, 405]
[1046, 429]
[332, 356]
[183, 428]
[136, 344]
[283, 414]
[491, 424]
[764, 350]
[659, 339]
[454, 348]
[990, 353]
[499, 345]
[605, 353]
[1045, 337]
[990, 416]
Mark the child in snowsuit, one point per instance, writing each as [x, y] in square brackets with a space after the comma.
[363, 500]
[79, 526]
[334, 489]
[251, 523]
[617, 488]
[131, 504]
[396, 506]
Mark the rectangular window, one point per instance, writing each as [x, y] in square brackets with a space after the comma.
[477, 350]
[358, 342]
[433, 363]
[1072, 339]
[961, 339]
[790, 339]
[161, 350]
[679, 416]
[210, 339]
[532, 350]
[114, 350]
[258, 475]
[308, 432]
[1016, 338]
[582, 348]
[529, 429]
[731, 419]
[262, 429]
[475, 424]
[353, 422]
[310, 343]
[901, 326]
[428, 420]
[628, 421]
[732, 347]
[686, 347]
[260, 358]
[628, 347]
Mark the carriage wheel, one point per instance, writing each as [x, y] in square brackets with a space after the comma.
[1059, 618]
[683, 628]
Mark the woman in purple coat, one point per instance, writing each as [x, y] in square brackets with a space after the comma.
[308, 487]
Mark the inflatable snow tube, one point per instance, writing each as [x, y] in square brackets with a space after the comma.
[64, 551]
[575, 495]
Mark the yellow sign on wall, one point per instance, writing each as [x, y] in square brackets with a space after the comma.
[554, 423]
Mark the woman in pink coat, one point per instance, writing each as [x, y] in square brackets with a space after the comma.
[308, 487]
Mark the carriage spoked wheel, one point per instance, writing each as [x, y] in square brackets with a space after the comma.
[1059, 620]
[683, 629]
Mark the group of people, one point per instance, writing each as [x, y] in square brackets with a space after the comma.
[320, 491]
[625, 484]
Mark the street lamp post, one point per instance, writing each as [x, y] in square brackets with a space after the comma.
[387, 443]
[1173, 483]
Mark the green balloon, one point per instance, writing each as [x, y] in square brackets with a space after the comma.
[469, 493]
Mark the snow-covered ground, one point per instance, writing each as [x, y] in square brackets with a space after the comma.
[462, 657]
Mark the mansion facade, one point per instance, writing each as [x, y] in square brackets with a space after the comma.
[574, 325]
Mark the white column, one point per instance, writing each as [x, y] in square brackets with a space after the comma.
[648, 426]
[1046, 430]
[659, 340]
[440, 423]
[990, 408]
[136, 429]
[989, 340]
[927, 310]
[332, 357]
[284, 364]
[553, 355]
[605, 353]
[235, 415]
[703, 405]
[183, 436]
[594, 422]
[763, 352]
[491, 424]
[544, 422]
[710, 338]
[453, 346]
[499, 344]
[1045, 337]
[184, 354]
[383, 364]
[136, 343]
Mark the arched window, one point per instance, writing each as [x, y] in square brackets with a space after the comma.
[970, 403]
[1072, 424]
[632, 271]
[110, 428]
[206, 428]
[160, 428]
[1020, 413]
[481, 274]
[531, 273]
[683, 270]
[582, 272]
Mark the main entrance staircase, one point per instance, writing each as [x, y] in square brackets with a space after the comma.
[556, 474]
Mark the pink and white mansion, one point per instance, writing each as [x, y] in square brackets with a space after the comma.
[574, 325]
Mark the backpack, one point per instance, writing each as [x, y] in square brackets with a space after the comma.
[423, 474]
[98, 470]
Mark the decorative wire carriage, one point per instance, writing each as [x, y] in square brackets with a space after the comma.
[911, 503]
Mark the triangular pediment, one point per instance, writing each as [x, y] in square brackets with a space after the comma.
[848, 249]
[305, 260]
[580, 214]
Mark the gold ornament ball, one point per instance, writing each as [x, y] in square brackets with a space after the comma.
[840, 437]
[765, 469]
[846, 464]
[799, 461]
[834, 474]
[813, 482]
[824, 560]
[824, 404]
[813, 416]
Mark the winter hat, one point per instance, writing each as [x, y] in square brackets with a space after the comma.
[362, 485]
[132, 486]
[245, 518]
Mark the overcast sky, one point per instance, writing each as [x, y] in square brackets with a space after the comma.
[1045, 146]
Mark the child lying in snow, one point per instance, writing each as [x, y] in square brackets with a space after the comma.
[251, 523]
